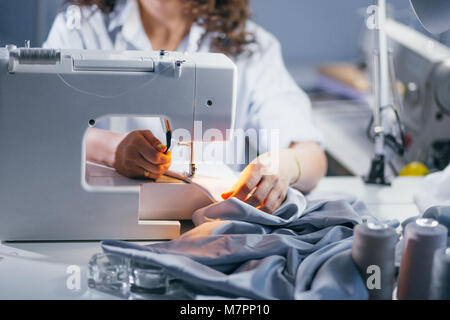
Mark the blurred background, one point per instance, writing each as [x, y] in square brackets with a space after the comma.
[310, 31]
[328, 52]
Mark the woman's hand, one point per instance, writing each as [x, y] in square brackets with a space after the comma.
[140, 154]
[264, 182]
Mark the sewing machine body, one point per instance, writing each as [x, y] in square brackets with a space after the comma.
[423, 66]
[49, 99]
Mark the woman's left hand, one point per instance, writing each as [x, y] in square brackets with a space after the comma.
[264, 182]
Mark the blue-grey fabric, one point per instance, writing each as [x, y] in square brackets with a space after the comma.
[302, 251]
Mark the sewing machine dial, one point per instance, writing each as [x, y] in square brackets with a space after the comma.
[442, 89]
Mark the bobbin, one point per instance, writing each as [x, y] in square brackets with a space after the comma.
[374, 249]
[440, 277]
[422, 238]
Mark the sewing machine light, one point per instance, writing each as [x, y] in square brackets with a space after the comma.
[434, 15]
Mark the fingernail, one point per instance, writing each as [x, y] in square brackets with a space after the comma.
[161, 147]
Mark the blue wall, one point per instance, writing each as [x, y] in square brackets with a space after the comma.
[321, 30]
[310, 31]
[22, 20]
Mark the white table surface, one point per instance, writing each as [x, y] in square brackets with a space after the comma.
[38, 270]
[344, 124]
[384, 202]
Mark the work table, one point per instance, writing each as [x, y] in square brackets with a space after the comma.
[384, 202]
[39, 270]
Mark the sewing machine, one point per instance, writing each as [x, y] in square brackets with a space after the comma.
[422, 74]
[48, 101]
[423, 68]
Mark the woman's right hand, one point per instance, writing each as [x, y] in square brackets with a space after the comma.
[140, 154]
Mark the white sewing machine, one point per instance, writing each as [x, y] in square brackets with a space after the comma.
[49, 99]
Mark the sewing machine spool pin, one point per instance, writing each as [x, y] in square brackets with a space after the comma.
[384, 87]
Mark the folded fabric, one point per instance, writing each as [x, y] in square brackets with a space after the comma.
[237, 251]
[434, 190]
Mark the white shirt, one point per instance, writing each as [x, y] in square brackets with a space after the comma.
[267, 97]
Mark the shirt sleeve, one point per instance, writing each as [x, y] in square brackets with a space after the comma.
[277, 103]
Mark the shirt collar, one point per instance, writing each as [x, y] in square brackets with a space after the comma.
[195, 33]
[118, 16]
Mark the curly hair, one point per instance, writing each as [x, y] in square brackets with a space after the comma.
[224, 22]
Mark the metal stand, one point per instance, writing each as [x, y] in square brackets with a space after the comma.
[381, 87]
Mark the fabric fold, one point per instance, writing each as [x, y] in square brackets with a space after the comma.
[238, 251]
